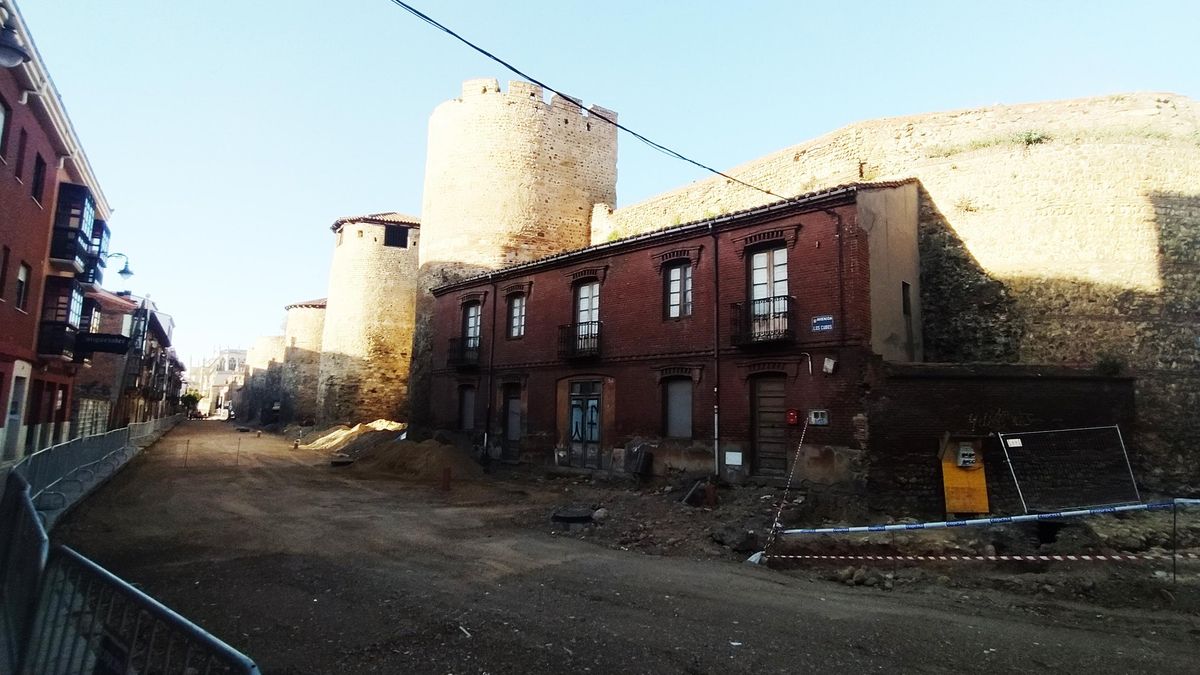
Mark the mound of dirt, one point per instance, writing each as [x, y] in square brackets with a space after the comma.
[339, 437]
[381, 453]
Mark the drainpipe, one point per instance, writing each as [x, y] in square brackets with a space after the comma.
[716, 352]
[841, 273]
[487, 425]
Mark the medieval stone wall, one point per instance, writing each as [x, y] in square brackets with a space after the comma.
[302, 361]
[509, 178]
[1059, 233]
[366, 340]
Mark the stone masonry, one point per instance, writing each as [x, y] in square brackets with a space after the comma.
[366, 343]
[302, 359]
[509, 178]
[1064, 233]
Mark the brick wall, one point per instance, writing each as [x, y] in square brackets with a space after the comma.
[639, 345]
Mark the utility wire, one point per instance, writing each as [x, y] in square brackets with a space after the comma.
[657, 146]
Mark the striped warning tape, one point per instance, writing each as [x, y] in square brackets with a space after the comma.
[999, 520]
[1121, 557]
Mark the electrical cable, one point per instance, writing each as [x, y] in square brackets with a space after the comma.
[657, 146]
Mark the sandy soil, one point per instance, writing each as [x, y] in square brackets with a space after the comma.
[310, 569]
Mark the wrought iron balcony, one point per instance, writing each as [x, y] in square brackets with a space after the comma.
[763, 321]
[68, 248]
[56, 340]
[579, 340]
[463, 352]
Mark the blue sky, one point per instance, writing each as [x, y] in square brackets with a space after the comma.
[228, 135]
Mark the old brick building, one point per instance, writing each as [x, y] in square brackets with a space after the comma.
[708, 345]
[699, 338]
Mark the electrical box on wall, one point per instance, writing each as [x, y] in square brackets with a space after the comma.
[818, 418]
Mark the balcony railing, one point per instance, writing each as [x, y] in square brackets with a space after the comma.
[93, 272]
[763, 321]
[579, 340]
[463, 352]
[56, 340]
[68, 248]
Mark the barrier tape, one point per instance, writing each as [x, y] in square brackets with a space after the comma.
[1121, 557]
[999, 520]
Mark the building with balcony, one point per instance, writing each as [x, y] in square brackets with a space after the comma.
[699, 338]
[53, 238]
[133, 374]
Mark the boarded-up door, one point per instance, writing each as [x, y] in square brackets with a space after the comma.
[770, 426]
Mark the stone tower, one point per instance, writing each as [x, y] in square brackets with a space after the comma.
[508, 178]
[302, 335]
[366, 341]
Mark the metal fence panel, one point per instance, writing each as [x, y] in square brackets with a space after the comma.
[90, 621]
[1070, 468]
[23, 549]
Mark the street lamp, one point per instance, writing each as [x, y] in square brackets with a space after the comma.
[11, 52]
[125, 272]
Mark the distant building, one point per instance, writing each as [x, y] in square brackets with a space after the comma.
[217, 379]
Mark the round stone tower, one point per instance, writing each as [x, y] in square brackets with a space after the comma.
[302, 335]
[366, 341]
[509, 178]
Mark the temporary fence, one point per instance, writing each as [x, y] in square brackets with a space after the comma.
[23, 549]
[89, 621]
[61, 613]
[63, 474]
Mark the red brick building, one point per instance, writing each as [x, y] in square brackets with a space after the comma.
[710, 341]
[53, 239]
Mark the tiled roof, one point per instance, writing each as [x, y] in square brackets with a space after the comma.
[318, 303]
[800, 200]
[389, 218]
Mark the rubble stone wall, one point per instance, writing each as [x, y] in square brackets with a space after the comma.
[302, 361]
[509, 178]
[1063, 233]
[366, 341]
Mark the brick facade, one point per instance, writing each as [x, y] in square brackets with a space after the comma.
[828, 260]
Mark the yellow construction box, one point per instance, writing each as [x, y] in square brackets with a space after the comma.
[963, 477]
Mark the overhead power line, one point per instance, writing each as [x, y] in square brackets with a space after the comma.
[657, 146]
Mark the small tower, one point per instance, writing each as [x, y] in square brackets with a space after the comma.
[302, 335]
[366, 341]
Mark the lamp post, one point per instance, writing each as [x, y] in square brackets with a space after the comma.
[125, 272]
[12, 54]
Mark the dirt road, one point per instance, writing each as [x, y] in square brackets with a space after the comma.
[312, 570]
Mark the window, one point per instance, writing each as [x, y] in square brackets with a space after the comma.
[4, 271]
[63, 302]
[679, 291]
[677, 407]
[22, 286]
[769, 292]
[472, 323]
[22, 141]
[516, 315]
[587, 318]
[395, 236]
[39, 178]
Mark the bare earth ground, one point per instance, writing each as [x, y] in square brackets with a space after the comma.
[310, 569]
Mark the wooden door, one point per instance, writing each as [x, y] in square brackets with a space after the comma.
[770, 425]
